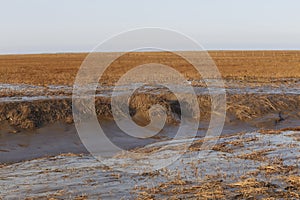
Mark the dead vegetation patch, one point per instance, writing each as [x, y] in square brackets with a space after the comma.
[223, 147]
[291, 129]
[252, 188]
[270, 132]
[249, 188]
[278, 169]
[294, 181]
[182, 189]
[256, 155]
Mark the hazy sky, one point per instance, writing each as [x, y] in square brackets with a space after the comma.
[40, 26]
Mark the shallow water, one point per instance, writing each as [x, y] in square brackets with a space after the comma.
[68, 176]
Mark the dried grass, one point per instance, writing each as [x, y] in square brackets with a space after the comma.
[277, 169]
[270, 132]
[256, 155]
[294, 181]
[61, 69]
[181, 189]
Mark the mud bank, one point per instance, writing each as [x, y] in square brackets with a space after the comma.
[266, 110]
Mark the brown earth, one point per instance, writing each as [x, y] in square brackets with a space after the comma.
[61, 69]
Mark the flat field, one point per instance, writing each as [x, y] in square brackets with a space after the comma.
[61, 69]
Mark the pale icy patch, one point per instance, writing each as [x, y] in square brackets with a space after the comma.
[67, 176]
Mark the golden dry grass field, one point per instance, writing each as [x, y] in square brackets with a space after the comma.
[61, 69]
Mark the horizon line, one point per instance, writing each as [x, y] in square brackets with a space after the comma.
[87, 52]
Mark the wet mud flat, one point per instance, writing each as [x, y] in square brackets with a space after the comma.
[252, 165]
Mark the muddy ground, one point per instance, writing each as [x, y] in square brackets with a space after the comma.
[254, 165]
[257, 156]
[265, 110]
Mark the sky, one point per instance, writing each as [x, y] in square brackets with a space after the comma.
[53, 26]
